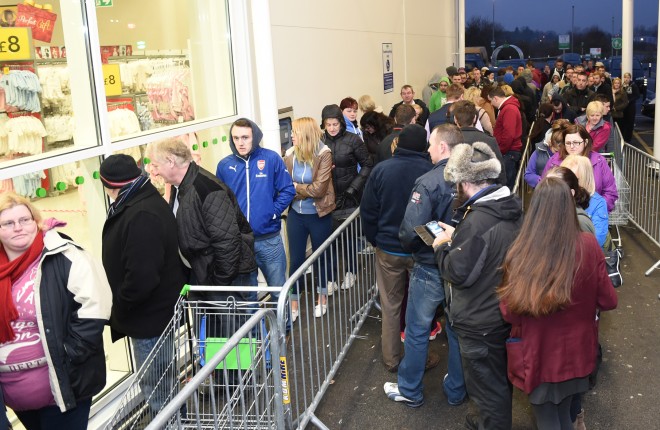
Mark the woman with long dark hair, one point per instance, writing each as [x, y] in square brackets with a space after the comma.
[554, 330]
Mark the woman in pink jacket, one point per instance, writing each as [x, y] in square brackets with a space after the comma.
[596, 125]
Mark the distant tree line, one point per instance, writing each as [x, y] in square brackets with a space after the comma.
[535, 44]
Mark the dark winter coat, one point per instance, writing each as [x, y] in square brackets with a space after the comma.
[214, 236]
[385, 195]
[577, 100]
[141, 259]
[385, 146]
[347, 152]
[430, 200]
[470, 263]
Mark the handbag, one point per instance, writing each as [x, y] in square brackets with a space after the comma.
[612, 263]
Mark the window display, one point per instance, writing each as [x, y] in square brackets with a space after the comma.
[144, 70]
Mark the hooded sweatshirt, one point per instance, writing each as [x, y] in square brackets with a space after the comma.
[438, 98]
[262, 185]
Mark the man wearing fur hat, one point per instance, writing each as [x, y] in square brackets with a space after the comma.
[469, 256]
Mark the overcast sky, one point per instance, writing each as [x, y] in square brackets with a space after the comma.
[555, 15]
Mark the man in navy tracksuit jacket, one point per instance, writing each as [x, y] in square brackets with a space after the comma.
[264, 189]
[382, 208]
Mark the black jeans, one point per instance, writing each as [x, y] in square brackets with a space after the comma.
[486, 380]
[511, 164]
[50, 417]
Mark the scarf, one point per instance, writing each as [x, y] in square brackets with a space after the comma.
[10, 271]
[126, 192]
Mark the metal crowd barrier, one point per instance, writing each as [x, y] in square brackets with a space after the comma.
[520, 187]
[642, 172]
[316, 346]
[211, 368]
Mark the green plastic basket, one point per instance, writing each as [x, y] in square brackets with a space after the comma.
[247, 348]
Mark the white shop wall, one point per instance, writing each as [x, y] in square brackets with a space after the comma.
[324, 52]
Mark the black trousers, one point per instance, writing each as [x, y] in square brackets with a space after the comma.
[486, 380]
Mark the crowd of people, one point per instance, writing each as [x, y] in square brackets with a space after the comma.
[507, 321]
[453, 163]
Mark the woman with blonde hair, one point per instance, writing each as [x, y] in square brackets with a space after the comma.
[473, 94]
[367, 104]
[593, 122]
[620, 101]
[553, 343]
[55, 303]
[597, 209]
[309, 162]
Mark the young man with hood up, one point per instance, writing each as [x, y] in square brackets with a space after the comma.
[264, 189]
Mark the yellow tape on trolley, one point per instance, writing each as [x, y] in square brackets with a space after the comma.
[286, 398]
[15, 44]
[111, 80]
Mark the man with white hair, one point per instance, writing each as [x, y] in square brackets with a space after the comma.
[469, 257]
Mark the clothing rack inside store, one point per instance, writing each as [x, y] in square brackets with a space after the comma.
[53, 61]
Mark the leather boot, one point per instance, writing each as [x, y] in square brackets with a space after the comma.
[579, 421]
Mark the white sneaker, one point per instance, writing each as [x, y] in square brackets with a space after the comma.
[320, 310]
[294, 315]
[349, 281]
[332, 287]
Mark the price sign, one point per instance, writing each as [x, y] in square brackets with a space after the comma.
[111, 80]
[15, 43]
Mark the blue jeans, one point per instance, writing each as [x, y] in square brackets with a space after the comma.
[425, 294]
[50, 417]
[271, 259]
[150, 384]
[298, 228]
[247, 280]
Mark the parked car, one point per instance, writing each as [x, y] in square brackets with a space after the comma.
[648, 105]
[613, 66]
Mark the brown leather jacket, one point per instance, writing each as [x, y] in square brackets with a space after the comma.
[321, 188]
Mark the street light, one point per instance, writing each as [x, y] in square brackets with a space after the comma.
[492, 43]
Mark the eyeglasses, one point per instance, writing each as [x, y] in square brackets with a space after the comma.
[574, 144]
[10, 225]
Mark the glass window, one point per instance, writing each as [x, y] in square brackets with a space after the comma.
[39, 91]
[165, 62]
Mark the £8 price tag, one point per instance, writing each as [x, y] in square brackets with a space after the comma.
[15, 43]
[111, 80]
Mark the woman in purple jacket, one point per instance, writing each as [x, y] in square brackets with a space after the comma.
[577, 141]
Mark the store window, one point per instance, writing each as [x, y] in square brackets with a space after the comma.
[39, 88]
[165, 63]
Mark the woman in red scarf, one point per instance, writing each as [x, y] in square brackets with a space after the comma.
[54, 302]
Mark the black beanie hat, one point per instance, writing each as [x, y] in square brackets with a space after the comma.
[413, 138]
[118, 170]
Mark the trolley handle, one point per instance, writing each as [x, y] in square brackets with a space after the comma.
[227, 289]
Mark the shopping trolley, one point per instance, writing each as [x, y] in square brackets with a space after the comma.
[621, 212]
[239, 392]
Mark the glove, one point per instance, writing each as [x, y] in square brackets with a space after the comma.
[351, 197]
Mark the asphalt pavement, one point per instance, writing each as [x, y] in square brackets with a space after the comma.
[628, 389]
[626, 396]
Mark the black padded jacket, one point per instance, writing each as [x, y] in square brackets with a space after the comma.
[214, 236]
